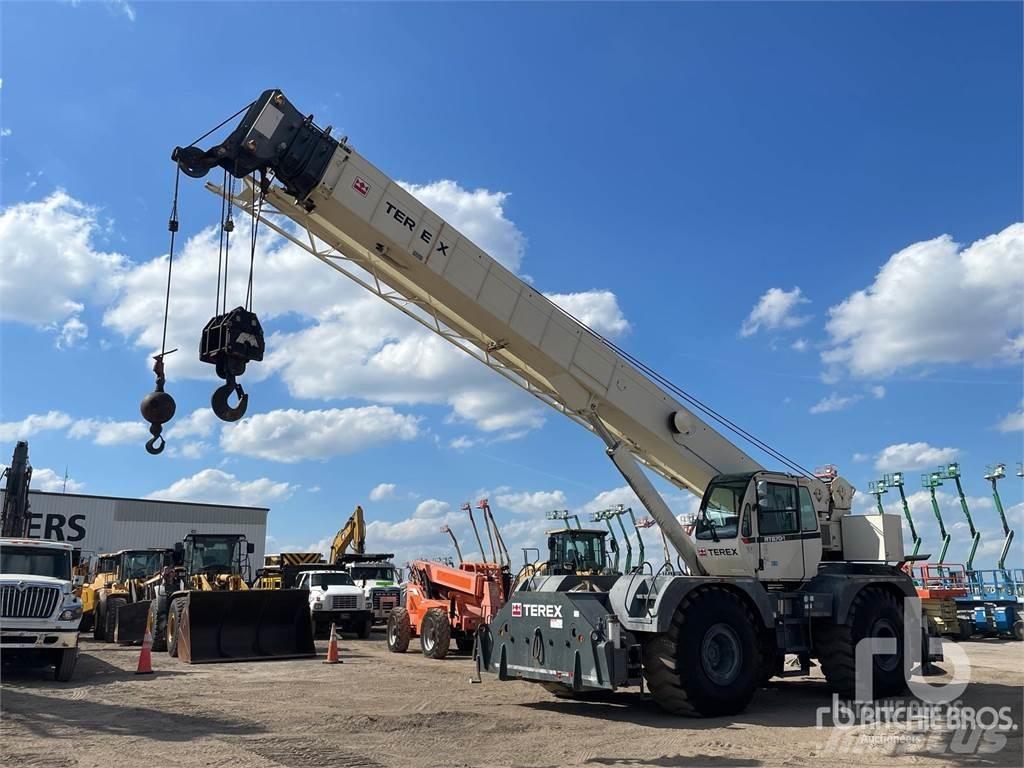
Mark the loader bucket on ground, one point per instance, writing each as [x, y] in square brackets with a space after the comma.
[245, 626]
[130, 626]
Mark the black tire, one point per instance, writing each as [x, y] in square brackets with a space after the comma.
[86, 625]
[399, 630]
[464, 642]
[364, 629]
[435, 634]
[110, 617]
[965, 630]
[158, 621]
[64, 666]
[874, 612]
[174, 617]
[99, 625]
[1018, 629]
[708, 663]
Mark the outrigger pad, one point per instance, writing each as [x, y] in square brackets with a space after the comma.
[130, 625]
[245, 626]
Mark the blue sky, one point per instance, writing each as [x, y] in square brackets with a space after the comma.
[803, 214]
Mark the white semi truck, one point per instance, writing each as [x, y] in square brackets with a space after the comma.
[335, 599]
[39, 611]
[778, 564]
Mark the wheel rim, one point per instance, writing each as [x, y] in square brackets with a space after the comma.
[171, 627]
[884, 629]
[721, 654]
[392, 633]
[428, 636]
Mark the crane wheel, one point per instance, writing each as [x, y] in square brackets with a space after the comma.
[174, 615]
[708, 663]
[1018, 629]
[435, 634]
[399, 630]
[110, 617]
[874, 613]
[158, 622]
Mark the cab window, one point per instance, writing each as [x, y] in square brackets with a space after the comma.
[808, 517]
[720, 510]
[777, 511]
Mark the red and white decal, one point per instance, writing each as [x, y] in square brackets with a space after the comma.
[361, 186]
[517, 610]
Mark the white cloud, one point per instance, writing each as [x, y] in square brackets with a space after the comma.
[200, 423]
[292, 435]
[188, 450]
[907, 456]
[877, 392]
[384, 492]
[33, 424]
[531, 503]
[934, 303]
[5, 132]
[834, 402]
[775, 310]
[598, 310]
[107, 432]
[462, 443]
[861, 457]
[50, 267]
[123, 7]
[431, 508]
[215, 486]
[1012, 422]
[478, 214]
[71, 333]
[800, 345]
[45, 479]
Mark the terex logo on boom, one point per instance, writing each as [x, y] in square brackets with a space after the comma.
[540, 611]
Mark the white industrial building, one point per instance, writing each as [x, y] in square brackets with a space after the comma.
[106, 523]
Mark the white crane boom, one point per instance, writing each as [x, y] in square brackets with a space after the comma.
[355, 215]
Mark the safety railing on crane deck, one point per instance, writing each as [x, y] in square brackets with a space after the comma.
[997, 583]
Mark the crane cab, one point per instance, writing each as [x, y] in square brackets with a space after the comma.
[761, 524]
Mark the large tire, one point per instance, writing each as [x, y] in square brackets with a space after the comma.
[464, 641]
[876, 613]
[158, 621]
[708, 663]
[399, 630]
[965, 630]
[64, 667]
[436, 634]
[99, 626]
[110, 617]
[1018, 629]
[363, 630]
[174, 617]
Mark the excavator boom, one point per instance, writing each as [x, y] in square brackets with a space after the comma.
[352, 534]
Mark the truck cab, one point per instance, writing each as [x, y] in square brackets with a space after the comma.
[335, 599]
[39, 610]
[379, 580]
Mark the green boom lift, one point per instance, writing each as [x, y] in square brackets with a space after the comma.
[931, 482]
[895, 480]
[993, 475]
[952, 472]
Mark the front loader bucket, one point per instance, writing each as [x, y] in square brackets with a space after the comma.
[245, 626]
[130, 626]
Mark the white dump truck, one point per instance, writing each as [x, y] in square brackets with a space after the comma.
[335, 599]
[39, 612]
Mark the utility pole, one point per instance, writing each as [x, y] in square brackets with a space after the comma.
[931, 482]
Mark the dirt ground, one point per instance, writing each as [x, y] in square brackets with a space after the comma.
[381, 709]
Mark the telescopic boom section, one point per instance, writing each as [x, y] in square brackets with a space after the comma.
[422, 264]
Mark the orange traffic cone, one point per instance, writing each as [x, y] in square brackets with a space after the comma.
[332, 648]
[145, 656]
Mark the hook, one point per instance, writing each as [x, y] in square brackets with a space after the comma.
[219, 401]
[155, 448]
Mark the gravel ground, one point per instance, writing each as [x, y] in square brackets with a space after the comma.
[381, 709]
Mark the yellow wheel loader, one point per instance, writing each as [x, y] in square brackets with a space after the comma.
[114, 602]
[204, 611]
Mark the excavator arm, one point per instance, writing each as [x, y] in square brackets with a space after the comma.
[352, 534]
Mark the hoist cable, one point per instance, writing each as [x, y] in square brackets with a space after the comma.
[229, 227]
[222, 124]
[220, 244]
[172, 227]
[257, 211]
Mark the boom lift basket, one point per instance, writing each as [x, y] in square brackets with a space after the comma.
[245, 626]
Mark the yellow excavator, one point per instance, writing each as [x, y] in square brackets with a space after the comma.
[203, 610]
[351, 534]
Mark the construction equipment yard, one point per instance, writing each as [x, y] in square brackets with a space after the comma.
[379, 708]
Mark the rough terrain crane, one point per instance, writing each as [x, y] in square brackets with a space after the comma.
[777, 564]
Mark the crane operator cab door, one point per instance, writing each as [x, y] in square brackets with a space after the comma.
[786, 530]
[723, 534]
